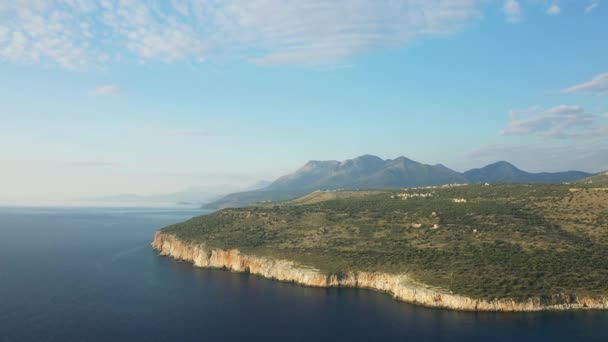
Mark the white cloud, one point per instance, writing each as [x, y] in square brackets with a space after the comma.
[316, 32]
[590, 156]
[580, 142]
[592, 6]
[106, 90]
[77, 34]
[553, 9]
[561, 122]
[597, 85]
[37, 31]
[513, 11]
[152, 34]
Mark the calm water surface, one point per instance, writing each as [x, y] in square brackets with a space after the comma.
[90, 274]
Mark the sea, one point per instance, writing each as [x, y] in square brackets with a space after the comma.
[90, 274]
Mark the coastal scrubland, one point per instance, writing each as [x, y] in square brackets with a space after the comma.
[483, 241]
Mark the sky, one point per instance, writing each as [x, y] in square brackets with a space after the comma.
[105, 97]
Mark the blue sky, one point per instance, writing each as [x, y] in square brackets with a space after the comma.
[101, 97]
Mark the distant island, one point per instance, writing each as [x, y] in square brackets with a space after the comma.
[372, 172]
[480, 247]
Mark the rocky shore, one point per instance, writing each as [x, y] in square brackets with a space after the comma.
[400, 286]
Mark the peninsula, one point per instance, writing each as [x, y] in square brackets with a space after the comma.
[482, 247]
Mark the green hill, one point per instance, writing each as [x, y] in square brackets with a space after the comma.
[483, 241]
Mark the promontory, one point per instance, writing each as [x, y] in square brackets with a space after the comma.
[482, 247]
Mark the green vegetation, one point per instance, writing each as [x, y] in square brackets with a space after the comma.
[484, 241]
[599, 180]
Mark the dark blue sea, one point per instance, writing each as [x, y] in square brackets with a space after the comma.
[91, 275]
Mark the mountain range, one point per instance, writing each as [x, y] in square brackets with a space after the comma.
[372, 172]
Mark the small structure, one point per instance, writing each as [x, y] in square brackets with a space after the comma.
[405, 196]
[459, 200]
[436, 186]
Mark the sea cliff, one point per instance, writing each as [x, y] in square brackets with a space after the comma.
[400, 286]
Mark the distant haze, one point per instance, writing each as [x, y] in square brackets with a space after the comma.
[150, 98]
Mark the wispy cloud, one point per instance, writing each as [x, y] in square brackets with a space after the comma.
[513, 11]
[77, 34]
[554, 9]
[597, 85]
[108, 90]
[592, 6]
[590, 156]
[48, 31]
[561, 122]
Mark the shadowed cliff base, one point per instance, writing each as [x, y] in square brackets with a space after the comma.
[542, 243]
[400, 286]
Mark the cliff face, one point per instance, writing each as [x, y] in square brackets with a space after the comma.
[400, 286]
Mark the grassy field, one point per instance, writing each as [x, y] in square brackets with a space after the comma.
[484, 241]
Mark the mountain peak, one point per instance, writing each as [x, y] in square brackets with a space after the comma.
[499, 172]
[403, 159]
[366, 160]
[501, 164]
[312, 164]
[369, 158]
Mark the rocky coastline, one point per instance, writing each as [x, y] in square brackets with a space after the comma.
[400, 286]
